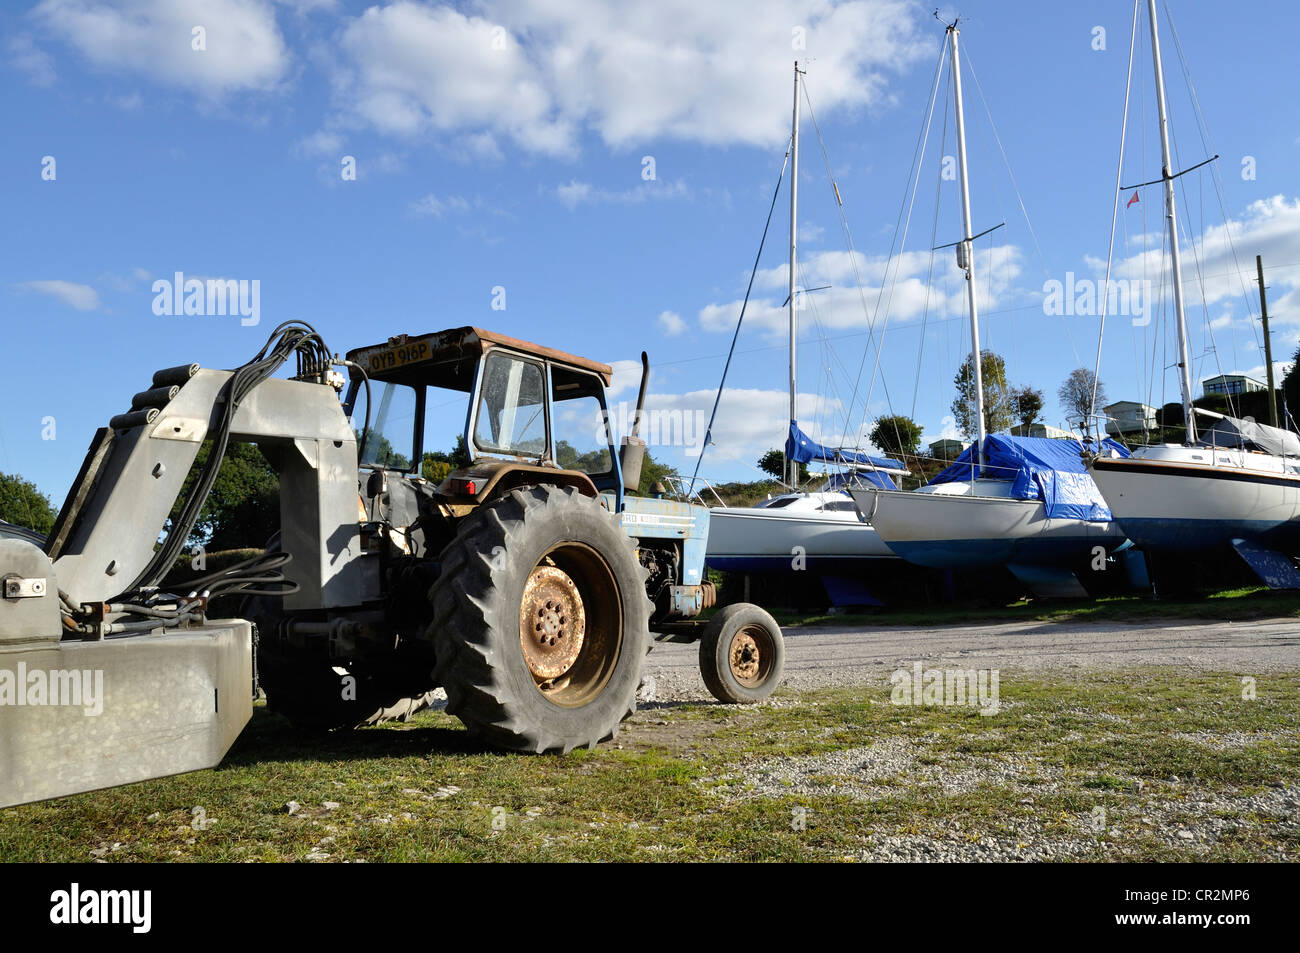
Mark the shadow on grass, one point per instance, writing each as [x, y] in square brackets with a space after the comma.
[271, 738]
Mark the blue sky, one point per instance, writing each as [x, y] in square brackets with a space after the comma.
[503, 145]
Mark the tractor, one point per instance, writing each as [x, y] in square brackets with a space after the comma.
[527, 578]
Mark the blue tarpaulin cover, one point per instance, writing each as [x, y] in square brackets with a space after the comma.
[1040, 468]
[803, 449]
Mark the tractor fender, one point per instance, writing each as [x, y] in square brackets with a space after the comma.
[495, 478]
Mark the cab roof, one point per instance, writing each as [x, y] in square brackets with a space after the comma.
[448, 358]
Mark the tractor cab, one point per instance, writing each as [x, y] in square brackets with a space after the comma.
[525, 412]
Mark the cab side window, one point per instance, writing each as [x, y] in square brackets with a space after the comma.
[582, 435]
[511, 414]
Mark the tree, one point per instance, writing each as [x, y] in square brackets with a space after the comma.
[997, 395]
[379, 450]
[1076, 394]
[243, 509]
[437, 464]
[652, 472]
[24, 505]
[1028, 404]
[773, 462]
[896, 435]
[1289, 412]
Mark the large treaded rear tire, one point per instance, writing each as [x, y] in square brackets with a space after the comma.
[544, 534]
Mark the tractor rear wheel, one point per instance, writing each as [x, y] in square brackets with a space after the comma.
[540, 621]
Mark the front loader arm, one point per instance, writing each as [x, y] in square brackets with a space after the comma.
[110, 523]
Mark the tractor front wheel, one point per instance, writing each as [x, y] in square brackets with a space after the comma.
[742, 654]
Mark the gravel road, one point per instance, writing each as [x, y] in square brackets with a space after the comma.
[826, 656]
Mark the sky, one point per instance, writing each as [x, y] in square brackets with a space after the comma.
[596, 177]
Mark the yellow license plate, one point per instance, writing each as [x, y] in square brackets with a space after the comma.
[403, 354]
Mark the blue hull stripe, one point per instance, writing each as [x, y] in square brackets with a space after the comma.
[974, 553]
[1192, 534]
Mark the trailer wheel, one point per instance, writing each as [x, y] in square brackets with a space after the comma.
[540, 621]
[742, 654]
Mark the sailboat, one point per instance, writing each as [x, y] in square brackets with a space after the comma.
[1021, 502]
[819, 531]
[1236, 485]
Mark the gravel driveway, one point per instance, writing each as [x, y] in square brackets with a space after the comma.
[826, 656]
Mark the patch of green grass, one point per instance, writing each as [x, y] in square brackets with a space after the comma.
[672, 788]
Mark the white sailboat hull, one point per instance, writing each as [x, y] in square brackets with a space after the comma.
[971, 532]
[1190, 499]
[744, 539]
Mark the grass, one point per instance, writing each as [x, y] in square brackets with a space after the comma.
[678, 785]
[1229, 605]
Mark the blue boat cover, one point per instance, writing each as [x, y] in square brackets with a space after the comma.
[842, 481]
[803, 449]
[1040, 468]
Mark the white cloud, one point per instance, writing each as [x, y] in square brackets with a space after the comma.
[407, 68]
[244, 48]
[671, 322]
[1260, 372]
[574, 193]
[1269, 227]
[948, 430]
[750, 422]
[810, 232]
[535, 72]
[27, 57]
[304, 7]
[910, 289]
[81, 297]
[627, 374]
[1219, 272]
[323, 142]
[577, 193]
[438, 207]
[131, 102]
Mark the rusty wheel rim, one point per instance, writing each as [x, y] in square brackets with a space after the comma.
[552, 623]
[750, 656]
[571, 624]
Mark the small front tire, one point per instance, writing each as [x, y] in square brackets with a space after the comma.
[742, 654]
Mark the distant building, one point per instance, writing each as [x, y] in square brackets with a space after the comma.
[1042, 430]
[1129, 416]
[948, 449]
[1231, 384]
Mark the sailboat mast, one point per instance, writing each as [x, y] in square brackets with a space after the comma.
[1184, 357]
[965, 250]
[792, 467]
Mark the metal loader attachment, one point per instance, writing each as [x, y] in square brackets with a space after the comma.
[106, 678]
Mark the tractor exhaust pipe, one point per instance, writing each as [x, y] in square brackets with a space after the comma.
[632, 454]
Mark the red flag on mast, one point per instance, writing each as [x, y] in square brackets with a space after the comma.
[1132, 200]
